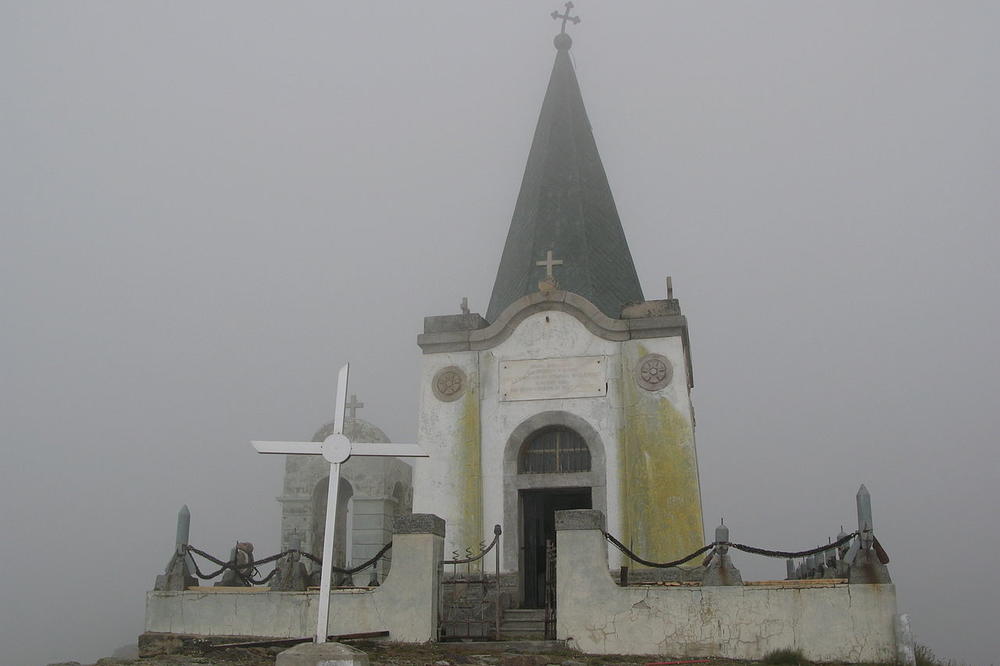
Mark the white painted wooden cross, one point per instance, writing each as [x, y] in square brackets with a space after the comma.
[336, 449]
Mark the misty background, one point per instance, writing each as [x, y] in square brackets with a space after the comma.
[208, 207]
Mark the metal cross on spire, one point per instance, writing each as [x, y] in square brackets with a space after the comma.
[336, 449]
[353, 406]
[566, 17]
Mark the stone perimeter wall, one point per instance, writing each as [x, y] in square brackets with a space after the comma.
[405, 605]
[841, 623]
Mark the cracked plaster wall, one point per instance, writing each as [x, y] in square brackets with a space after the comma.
[405, 605]
[842, 623]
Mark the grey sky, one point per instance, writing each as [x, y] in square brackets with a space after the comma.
[207, 207]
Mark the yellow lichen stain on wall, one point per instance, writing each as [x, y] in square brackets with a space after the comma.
[470, 470]
[660, 494]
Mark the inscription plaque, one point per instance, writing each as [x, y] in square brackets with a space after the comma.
[553, 378]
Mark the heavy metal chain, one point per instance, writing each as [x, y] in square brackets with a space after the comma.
[253, 578]
[784, 554]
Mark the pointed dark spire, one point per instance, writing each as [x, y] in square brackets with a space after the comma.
[565, 205]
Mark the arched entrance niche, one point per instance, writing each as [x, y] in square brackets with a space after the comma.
[342, 531]
[553, 460]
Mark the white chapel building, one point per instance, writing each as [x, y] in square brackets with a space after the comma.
[573, 391]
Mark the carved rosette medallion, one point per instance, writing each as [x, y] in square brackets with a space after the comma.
[449, 383]
[653, 372]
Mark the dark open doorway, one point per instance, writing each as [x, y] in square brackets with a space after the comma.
[539, 525]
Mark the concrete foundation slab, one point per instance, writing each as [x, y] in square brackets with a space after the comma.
[322, 654]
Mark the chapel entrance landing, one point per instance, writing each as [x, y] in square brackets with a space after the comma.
[538, 510]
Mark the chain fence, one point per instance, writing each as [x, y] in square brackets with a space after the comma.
[783, 554]
[254, 577]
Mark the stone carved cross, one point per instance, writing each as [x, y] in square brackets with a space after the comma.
[336, 449]
[353, 406]
[566, 17]
[549, 261]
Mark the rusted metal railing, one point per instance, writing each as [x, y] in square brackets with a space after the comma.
[468, 561]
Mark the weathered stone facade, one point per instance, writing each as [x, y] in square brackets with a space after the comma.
[644, 470]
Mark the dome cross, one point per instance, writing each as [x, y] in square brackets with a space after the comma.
[353, 406]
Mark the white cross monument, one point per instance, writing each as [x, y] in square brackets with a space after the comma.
[336, 448]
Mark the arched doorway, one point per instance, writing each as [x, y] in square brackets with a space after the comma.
[551, 450]
[342, 526]
[552, 461]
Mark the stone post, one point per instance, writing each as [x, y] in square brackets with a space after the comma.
[789, 570]
[412, 588]
[179, 574]
[291, 575]
[183, 526]
[842, 555]
[905, 652]
[865, 566]
[720, 569]
[582, 572]
[241, 557]
[866, 525]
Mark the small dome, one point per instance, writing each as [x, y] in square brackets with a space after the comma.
[563, 42]
[357, 430]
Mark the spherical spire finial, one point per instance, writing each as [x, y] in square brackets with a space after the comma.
[562, 40]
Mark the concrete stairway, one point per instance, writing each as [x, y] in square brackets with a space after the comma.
[520, 624]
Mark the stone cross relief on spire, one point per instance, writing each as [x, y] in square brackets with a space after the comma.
[549, 283]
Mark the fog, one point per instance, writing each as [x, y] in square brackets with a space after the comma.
[208, 207]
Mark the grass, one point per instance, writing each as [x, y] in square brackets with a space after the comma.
[789, 657]
[926, 657]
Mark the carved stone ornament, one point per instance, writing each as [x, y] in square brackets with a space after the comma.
[653, 372]
[448, 383]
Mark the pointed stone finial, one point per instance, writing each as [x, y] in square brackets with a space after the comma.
[863, 559]
[179, 574]
[722, 535]
[465, 305]
[670, 288]
[183, 526]
[865, 523]
[720, 569]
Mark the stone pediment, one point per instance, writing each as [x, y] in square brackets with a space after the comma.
[646, 319]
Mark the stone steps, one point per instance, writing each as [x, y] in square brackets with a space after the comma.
[523, 624]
